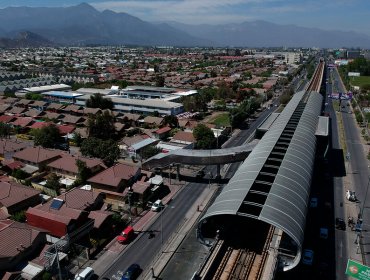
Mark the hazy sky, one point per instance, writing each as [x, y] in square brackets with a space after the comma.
[346, 15]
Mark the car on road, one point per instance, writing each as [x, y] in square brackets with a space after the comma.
[157, 205]
[351, 195]
[340, 224]
[307, 257]
[200, 174]
[313, 202]
[126, 235]
[324, 233]
[132, 272]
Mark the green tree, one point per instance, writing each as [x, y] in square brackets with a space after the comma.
[171, 120]
[46, 136]
[149, 151]
[5, 130]
[20, 174]
[107, 150]
[98, 101]
[159, 81]
[101, 125]
[19, 216]
[77, 139]
[84, 172]
[204, 137]
[52, 182]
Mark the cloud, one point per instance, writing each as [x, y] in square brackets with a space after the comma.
[189, 11]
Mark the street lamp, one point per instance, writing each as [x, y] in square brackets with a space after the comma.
[361, 215]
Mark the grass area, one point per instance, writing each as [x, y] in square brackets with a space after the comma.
[360, 81]
[221, 120]
[336, 105]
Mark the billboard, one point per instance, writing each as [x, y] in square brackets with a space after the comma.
[354, 74]
[357, 270]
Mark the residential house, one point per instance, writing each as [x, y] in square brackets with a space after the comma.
[18, 242]
[183, 137]
[162, 133]
[70, 119]
[37, 157]
[9, 147]
[7, 119]
[15, 197]
[66, 165]
[67, 213]
[115, 178]
[152, 121]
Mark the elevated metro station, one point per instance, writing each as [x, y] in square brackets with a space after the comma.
[272, 186]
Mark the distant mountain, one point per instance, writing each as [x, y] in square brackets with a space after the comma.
[82, 25]
[267, 34]
[25, 39]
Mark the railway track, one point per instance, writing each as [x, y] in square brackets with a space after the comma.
[242, 263]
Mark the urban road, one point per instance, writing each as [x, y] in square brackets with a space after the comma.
[144, 249]
[359, 176]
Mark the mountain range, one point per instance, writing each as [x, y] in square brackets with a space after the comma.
[84, 25]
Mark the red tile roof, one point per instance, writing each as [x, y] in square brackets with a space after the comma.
[36, 154]
[68, 163]
[6, 118]
[37, 125]
[99, 217]
[16, 237]
[12, 193]
[23, 121]
[115, 174]
[184, 136]
[162, 130]
[11, 146]
[66, 129]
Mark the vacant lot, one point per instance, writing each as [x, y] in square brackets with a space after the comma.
[360, 81]
[220, 119]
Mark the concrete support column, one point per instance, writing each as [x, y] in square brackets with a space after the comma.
[178, 172]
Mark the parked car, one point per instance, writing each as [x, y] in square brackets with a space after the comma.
[340, 224]
[157, 205]
[324, 233]
[126, 235]
[132, 272]
[313, 202]
[307, 257]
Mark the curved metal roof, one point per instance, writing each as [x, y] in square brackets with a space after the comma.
[273, 183]
[201, 157]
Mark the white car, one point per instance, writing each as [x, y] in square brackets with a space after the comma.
[157, 205]
[307, 257]
[351, 196]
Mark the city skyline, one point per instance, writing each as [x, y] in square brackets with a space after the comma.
[330, 15]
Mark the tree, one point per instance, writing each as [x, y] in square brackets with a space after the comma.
[19, 216]
[107, 150]
[20, 174]
[171, 120]
[46, 136]
[5, 130]
[149, 151]
[84, 172]
[101, 125]
[77, 139]
[204, 137]
[52, 182]
[98, 101]
[159, 81]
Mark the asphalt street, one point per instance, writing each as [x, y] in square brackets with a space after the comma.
[144, 249]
